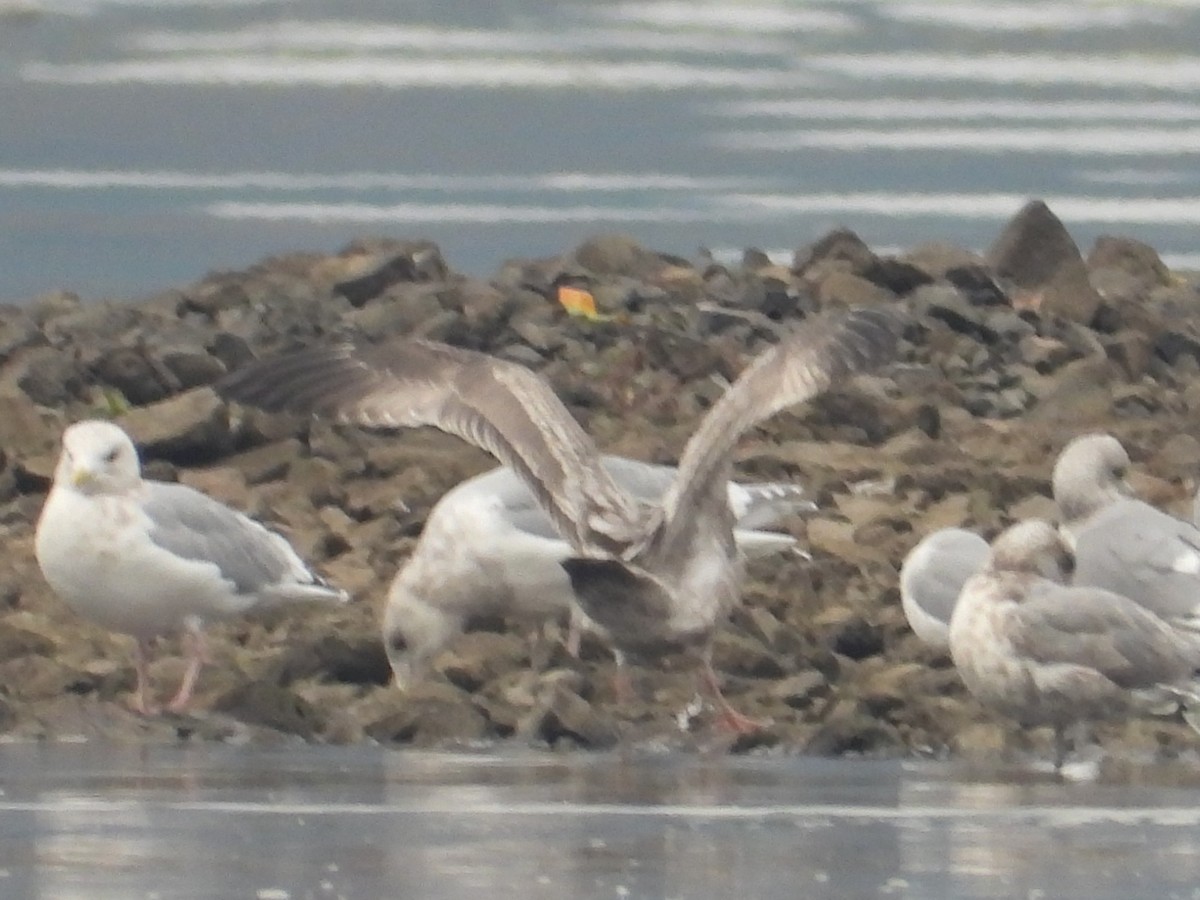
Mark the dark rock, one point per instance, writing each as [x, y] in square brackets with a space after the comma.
[187, 429]
[430, 714]
[274, 707]
[415, 261]
[1036, 254]
[566, 715]
[50, 377]
[130, 371]
[841, 247]
[18, 329]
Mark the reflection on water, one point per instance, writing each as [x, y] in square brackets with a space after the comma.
[100, 822]
[146, 142]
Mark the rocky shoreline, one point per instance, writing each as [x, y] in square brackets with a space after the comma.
[1008, 357]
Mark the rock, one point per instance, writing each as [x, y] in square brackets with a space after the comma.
[430, 714]
[840, 249]
[1133, 258]
[50, 377]
[616, 254]
[566, 715]
[477, 657]
[187, 429]
[1035, 253]
[274, 707]
[130, 371]
[412, 261]
[847, 289]
[45, 307]
[18, 329]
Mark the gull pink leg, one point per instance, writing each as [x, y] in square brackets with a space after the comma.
[727, 717]
[196, 652]
[141, 666]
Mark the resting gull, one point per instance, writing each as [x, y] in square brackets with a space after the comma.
[147, 558]
[1033, 648]
[655, 576]
[1121, 543]
[932, 576]
[489, 548]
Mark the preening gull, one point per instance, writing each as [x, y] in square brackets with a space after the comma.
[488, 547]
[932, 576]
[148, 558]
[655, 576]
[1032, 648]
[1121, 543]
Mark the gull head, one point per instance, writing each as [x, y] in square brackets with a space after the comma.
[1033, 547]
[413, 633]
[97, 458]
[1090, 474]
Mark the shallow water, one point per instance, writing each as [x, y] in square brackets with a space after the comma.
[100, 821]
[145, 143]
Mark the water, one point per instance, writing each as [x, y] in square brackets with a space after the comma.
[100, 821]
[145, 143]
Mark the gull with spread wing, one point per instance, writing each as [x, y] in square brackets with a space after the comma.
[655, 576]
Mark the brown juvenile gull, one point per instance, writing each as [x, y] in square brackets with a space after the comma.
[1032, 648]
[931, 578]
[1121, 543]
[488, 548]
[655, 576]
[148, 558]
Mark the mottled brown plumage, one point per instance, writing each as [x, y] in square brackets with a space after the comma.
[655, 576]
[1044, 653]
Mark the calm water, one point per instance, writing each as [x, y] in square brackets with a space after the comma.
[110, 822]
[144, 143]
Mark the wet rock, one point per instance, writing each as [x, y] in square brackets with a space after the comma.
[565, 716]
[272, 706]
[430, 714]
[1038, 257]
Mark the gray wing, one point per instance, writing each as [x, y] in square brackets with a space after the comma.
[1103, 631]
[822, 351]
[194, 526]
[755, 506]
[499, 406]
[1134, 549]
[935, 570]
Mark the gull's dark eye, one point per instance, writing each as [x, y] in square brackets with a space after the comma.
[1068, 564]
[397, 642]
[1120, 472]
[111, 456]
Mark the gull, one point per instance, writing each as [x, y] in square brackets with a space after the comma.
[931, 578]
[1044, 653]
[148, 558]
[655, 576]
[1121, 543]
[489, 548]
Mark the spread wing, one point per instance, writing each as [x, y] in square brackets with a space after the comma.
[499, 406]
[824, 350]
